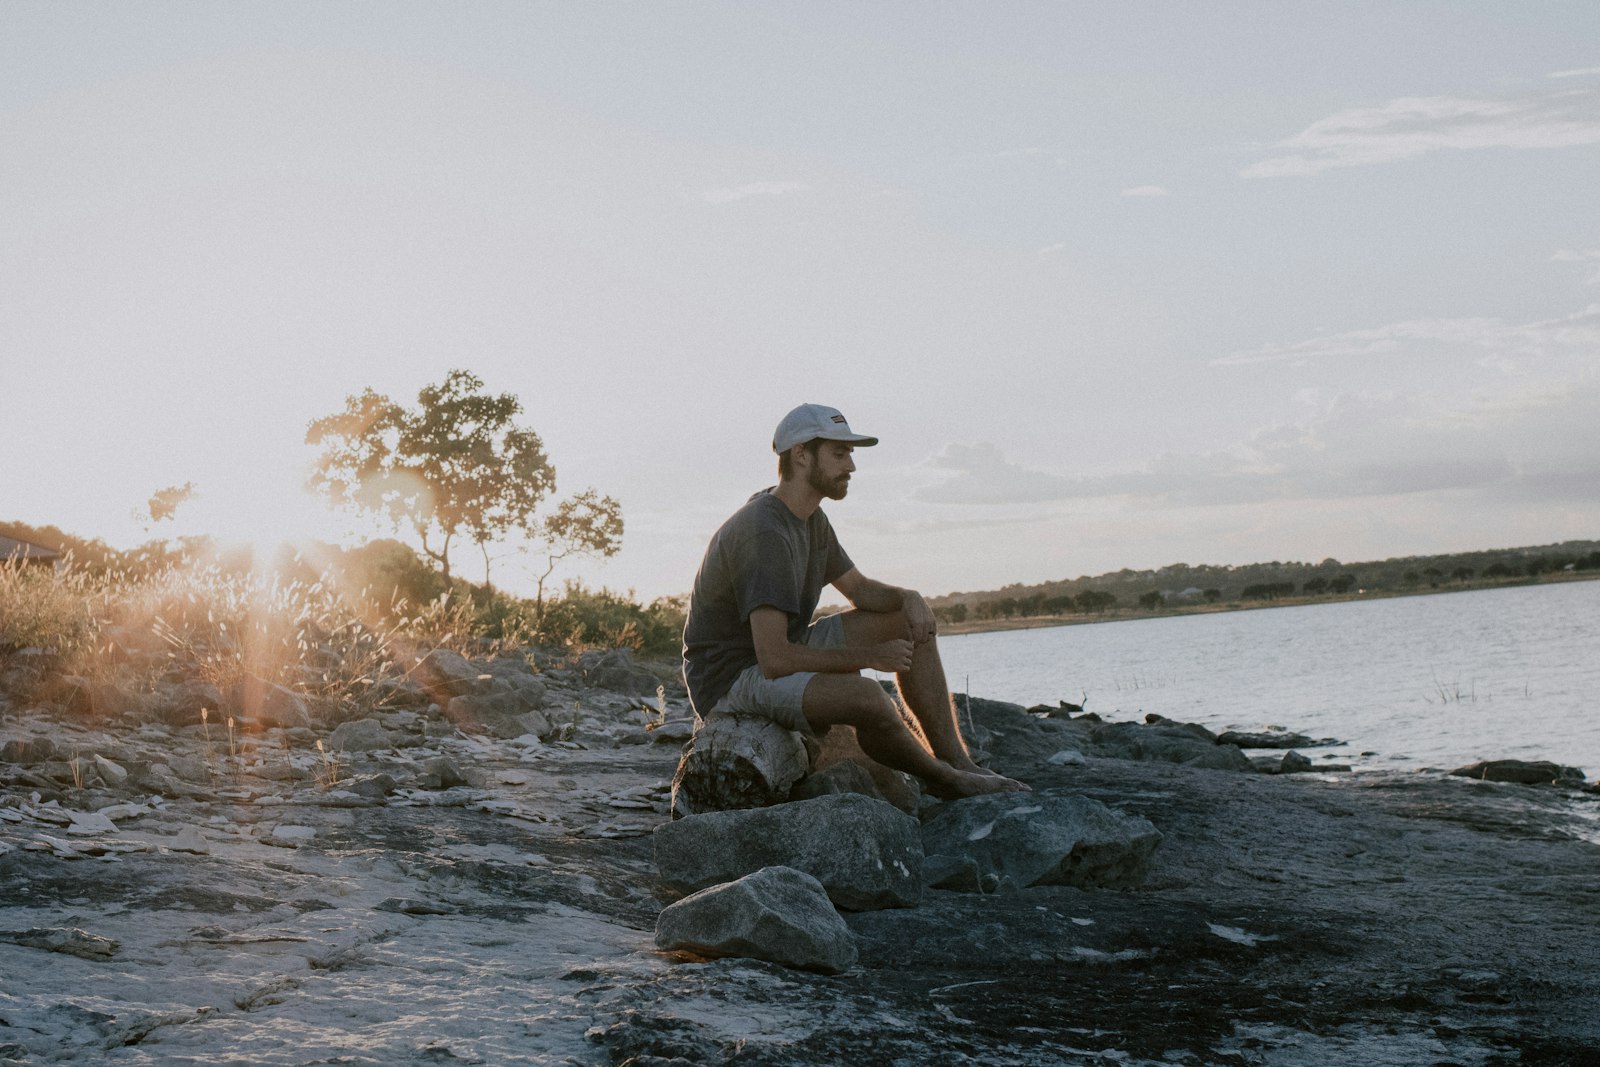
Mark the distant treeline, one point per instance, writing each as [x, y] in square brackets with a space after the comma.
[1181, 584]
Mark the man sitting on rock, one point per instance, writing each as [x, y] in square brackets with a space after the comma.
[750, 647]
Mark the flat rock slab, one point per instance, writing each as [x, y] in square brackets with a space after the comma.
[777, 914]
[1523, 772]
[866, 854]
[982, 843]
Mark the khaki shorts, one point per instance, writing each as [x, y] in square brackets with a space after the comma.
[780, 699]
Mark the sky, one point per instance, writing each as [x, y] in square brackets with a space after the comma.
[1117, 284]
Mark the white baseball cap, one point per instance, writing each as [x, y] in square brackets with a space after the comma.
[811, 421]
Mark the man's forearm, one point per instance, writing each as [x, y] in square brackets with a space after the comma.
[790, 658]
[876, 596]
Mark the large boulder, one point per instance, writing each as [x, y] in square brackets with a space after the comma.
[1523, 772]
[362, 735]
[777, 914]
[445, 674]
[1005, 736]
[735, 762]
[866, 854]
[615, 670]
[270, 704]
[980, 843]
[505, 714]
[181, 705]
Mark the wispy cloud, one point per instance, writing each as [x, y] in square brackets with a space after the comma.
[982, 475]
[1590, 256]
[741, 192]
[1533, 445]
[1414, 126]
[1050, 250]
[1147, 190]
[1499, 341]
[1581, 72]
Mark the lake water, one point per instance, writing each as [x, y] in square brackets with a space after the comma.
[1422, 681]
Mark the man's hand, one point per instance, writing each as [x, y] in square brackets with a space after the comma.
[892, 656]
[919, 617]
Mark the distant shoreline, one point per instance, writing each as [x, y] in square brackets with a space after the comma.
[1039, 622]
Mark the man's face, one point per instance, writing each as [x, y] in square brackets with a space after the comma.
[830, 472]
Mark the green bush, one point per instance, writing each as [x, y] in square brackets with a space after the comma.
[602, 618]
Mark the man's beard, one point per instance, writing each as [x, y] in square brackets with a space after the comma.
[833, 488]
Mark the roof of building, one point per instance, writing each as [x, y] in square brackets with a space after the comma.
[12, 548]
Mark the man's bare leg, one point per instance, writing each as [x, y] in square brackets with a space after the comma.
[924, 687]
[852, 700]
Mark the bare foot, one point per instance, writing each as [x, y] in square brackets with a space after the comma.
[966, 763]
[968, 784]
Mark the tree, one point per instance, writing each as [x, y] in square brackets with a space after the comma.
[1152, 600]
[454, 465]
[585, 525]
[1315, 587]
[1343, 584]
[164, 503]
[1212, 595]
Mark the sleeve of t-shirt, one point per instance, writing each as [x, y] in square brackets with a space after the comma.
[765, 575]
[838, 560]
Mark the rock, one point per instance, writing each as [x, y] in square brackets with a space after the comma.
[1266, 739]
[111, 774]
[182, 704]
[733, 762]
[1194, 729]
[671, 732]
[777, 914]
[843, 777]
[864, 852]
[1006, 737]
[1523, 772]
[616, 671]
[1290, 762]
[87, 823]
[33, 750]
[372, 786]
[270, 704]
[362, 735]
[1037, 839]
[505, 714]
[190, 840]
[400, 692]
[90, 699]
[445, 674]
[70, 940]
[291, 836]
[25, 668]
[841, 745]
[1167, 742]
[441, 773]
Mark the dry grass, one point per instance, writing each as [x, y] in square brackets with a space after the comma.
[202, 622]
[41, 609]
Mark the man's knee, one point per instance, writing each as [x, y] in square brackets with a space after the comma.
[856, 701]
[873, 627]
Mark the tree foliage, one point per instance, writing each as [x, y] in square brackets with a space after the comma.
[587, 524]
[455, 465]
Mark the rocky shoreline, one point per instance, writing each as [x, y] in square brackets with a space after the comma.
[467, 873]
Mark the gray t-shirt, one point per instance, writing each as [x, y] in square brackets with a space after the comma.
[764, 556]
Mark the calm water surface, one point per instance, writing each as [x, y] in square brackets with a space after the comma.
[1418, 681]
